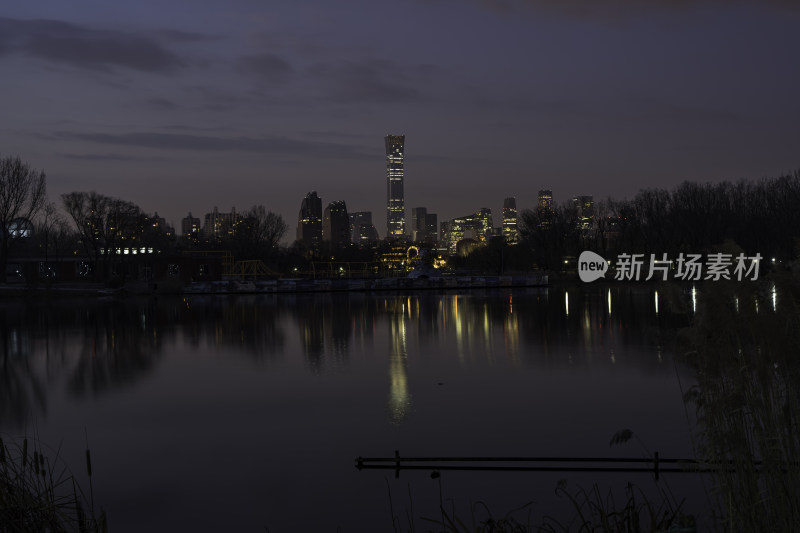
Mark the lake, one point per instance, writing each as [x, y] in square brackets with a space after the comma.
[246, 413]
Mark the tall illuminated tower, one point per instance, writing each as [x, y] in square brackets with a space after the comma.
[510, 219]
[545, 208]
[395, 200]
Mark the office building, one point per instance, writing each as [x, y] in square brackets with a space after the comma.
[190, 228]
[510, 220]
[584, 211]
[477, 227]
[309, 221]
[545, 209]
[431, 235]
[418, 228]
[218, 226]
[395, 200]
[336, 224]
[362, 230]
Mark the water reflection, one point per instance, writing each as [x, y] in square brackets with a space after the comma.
[399, 397]
[108, 344]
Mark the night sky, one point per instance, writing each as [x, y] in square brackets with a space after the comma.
[182, 105]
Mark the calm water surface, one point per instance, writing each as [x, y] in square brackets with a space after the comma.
[240, 413]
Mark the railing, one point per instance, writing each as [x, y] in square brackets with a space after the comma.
[657, 465]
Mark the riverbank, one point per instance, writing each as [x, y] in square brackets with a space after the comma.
[283, 285]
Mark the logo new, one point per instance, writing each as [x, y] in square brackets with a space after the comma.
[591, 266]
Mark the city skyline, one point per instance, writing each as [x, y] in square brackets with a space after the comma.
[179, 109]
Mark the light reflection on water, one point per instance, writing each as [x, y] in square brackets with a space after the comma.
[489, 372]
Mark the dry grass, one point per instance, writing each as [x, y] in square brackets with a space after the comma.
[39, 494]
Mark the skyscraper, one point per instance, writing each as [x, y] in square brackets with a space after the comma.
[309, 221]
[336, 224]
[584, 211]
[423, 225]
[510, 219]
[218, 226]
[477, 226]
[431, 234]
[418, 230]
[362, 231]
[395, 200]
[190, 227]
[545, 208]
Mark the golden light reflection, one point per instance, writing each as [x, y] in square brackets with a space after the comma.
[656, 302]
[511, 337]
[609, 301]
[566, 302]
[459, 330]
[774, 299]
[399, 397]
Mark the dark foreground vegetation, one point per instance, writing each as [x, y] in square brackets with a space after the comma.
[39, 494]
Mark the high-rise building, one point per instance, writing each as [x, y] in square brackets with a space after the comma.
[423, 225]
[545, 208]
[584, 210]
[431, 235]
[510, 219]
[217, 226]
[309, 221]
[477, 226]
[190, 227]
[418, 230]
[395, 200]
[336, 224]
[362, 230]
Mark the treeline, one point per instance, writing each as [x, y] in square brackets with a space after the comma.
[759, 217]
[109, 232]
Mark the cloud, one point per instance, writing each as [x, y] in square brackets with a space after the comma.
[616, 8]
[373, 81]
[266, 144]
[161, 104]
[105, 157]
[79, 46]
[265, 66]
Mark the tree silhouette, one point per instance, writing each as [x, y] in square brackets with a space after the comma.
[22, 196]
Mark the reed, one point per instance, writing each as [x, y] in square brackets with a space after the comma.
[38, 493]
[745, 351]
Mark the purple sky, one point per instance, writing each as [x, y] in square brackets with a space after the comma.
[181, 105]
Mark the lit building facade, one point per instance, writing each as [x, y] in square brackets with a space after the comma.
[545, 208]
[510, 220]
[309, 221]
[217, 226]
[395, 199]
[362, 230]
[584, 209]
[477, 226]
[190, 227]
[336, 224]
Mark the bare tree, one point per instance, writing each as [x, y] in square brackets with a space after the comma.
[104, 225]
[258, 233]
[52, 234]
[22, 195]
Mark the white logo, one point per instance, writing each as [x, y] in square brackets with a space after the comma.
[591, 266]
